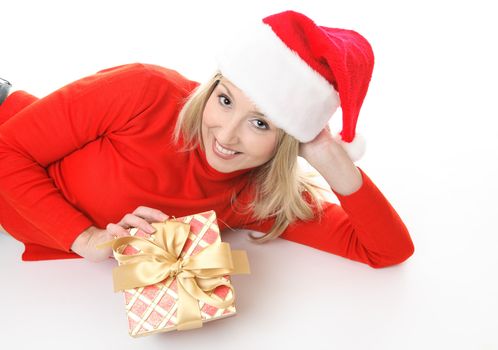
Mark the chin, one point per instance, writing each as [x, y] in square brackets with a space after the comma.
[214, 163]
[225, 171]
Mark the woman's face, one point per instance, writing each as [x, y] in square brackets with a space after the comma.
[235, 135]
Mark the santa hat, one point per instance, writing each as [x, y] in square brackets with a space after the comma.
[297, 73]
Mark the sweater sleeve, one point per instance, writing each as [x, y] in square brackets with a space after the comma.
[53, 127]
[364, 227]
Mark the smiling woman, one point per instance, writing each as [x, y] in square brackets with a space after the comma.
[249, 143]
[133, 144]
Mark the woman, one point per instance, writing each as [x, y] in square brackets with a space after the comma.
[144, 140]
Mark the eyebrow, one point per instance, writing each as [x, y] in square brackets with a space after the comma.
[230, 94]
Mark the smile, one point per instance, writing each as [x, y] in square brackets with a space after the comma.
[223, 152]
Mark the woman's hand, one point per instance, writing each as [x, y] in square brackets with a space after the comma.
[314, 151]
[85, 244]
[330, 159]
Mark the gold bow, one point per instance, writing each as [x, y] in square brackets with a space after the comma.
[160, 259]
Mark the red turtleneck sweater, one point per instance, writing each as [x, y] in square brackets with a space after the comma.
[99, 147]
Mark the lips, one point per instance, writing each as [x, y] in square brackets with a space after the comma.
[223, 155]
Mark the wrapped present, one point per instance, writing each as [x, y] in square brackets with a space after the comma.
[179, 276]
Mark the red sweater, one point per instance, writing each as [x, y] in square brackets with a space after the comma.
[99, 147]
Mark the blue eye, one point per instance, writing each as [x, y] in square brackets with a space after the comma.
[261, 124]
[224, 100]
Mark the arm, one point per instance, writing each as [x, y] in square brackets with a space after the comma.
[364, 228]
[52, 128]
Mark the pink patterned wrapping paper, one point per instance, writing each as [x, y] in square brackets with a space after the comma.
[152, 309]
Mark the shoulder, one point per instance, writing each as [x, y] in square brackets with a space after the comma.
[156, 77]
[160, 76]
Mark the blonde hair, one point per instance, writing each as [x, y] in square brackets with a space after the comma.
[279, 183]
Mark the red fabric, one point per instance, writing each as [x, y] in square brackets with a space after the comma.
[343, 57]
[99, 147]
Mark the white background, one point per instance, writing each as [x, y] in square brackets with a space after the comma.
[430, 124]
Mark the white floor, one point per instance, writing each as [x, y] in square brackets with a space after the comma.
[430, 120]
[443, 297]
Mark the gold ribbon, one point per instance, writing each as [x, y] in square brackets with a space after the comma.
[159, 259]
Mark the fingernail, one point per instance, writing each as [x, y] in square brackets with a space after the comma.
[164, 217]
[150, 229]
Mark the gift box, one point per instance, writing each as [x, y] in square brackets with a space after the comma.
[191, 269]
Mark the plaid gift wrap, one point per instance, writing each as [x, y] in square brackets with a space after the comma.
[153, 308]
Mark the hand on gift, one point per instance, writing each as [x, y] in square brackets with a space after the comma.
[86, 243]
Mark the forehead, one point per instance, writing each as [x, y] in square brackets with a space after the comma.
[234, 90]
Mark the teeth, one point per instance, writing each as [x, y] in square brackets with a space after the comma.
[223, 150]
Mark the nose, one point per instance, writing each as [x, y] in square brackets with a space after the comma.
[228, 133]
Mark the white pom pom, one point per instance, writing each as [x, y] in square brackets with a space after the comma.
[355, 149]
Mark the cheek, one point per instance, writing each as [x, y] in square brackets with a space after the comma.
[265, 148]
[209, 114]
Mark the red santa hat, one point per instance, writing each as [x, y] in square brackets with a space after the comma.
[298, 73]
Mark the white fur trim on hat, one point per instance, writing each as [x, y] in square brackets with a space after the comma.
[285, 88]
